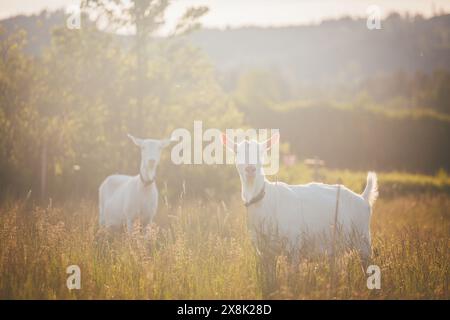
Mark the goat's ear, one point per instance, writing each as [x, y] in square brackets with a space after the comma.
[274, 139]
[136, 141]
[166, 142]
[228, 143]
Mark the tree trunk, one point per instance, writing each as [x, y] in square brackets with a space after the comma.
[140, 65]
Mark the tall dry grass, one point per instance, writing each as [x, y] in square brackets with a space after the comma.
[200, 250]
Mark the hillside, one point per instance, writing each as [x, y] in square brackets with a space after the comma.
[341, 49]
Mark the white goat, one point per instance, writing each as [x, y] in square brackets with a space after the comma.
[123, 199]
[297, 210]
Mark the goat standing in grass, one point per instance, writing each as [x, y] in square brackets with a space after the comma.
[123, 199]
[299, 210]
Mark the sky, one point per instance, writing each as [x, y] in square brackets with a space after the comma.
[235, 13]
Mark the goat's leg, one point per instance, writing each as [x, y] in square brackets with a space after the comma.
[130, 224]
[365, 252]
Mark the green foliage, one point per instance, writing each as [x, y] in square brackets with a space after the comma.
[73, 103]
[359, 138]
[79, 103]
[401, 90]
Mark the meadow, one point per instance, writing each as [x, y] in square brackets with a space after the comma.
[335, 90]
[201, 249]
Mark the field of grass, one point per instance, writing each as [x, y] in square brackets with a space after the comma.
[202, 250]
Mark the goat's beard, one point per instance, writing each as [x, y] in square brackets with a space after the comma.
[250, 181]
[147, 174]
[251, 187]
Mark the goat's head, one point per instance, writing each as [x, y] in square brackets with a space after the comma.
[249, 160]
[150, 155]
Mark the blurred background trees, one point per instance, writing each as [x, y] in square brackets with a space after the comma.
[66, 113]
[357, 100]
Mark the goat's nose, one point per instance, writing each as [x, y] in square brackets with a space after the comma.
[250, 169]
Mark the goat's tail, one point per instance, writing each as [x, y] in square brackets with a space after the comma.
[370, 193]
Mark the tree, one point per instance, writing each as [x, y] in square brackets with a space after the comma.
[64, 115]
[145, 18]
